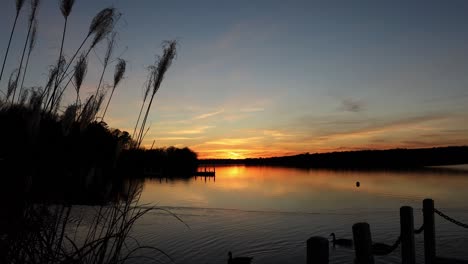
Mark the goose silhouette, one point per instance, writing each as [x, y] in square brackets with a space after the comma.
[341, 241]
[239, 260]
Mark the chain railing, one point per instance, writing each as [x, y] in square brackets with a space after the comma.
[381, 249]
[362, 237]
[448, 218]
[419, 230]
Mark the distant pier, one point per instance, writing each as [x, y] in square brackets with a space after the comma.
[206, 172]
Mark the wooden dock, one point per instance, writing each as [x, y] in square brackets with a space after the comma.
[206, 172]
[158, 172]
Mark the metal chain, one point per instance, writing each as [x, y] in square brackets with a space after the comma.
[448, 218]
[419, 230]
[380, 249]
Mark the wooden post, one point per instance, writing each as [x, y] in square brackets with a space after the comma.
[363, 243]
[317, 250]
[429, 231]
[408, 254]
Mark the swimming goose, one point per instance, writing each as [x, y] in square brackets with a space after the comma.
[238, 260]
[341, 241]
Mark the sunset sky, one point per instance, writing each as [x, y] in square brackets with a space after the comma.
[270, 78]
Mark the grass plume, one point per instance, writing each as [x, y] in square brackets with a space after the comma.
[165, 61]
[81, 68]
[100, 24]
[66, 7]
[12, 82]
[118, 75]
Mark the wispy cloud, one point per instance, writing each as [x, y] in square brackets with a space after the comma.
[197, 130]
[252, 109]
[177, 138]
[203, 116]
[388, 127]
[276, 133]
[234, 141]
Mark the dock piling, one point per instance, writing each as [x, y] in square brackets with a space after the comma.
[317, 250]
[429, 231]
[362, 243]
[408, 253]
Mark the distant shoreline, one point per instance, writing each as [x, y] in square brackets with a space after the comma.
[391, 158]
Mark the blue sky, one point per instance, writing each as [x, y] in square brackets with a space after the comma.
[263, 78]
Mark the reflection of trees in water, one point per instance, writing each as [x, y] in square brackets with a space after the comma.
[46, 229]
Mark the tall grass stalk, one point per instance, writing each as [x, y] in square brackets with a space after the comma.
[32, 44]
[53, 72]
[66, 7]
[19, 6]
[149, 84]
[105, 63]
[118, 75]
[32, 17]
[163, 65]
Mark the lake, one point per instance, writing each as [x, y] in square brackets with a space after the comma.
[269, 212]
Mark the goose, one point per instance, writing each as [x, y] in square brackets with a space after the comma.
[341, 241]
[238, 260]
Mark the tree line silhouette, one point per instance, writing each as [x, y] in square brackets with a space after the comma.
[392, 159]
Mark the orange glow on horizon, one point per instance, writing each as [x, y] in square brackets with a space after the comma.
[254, 153]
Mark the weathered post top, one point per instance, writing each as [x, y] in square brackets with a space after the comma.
[408, 253]
[317, 250]
[363, 243]
[429, 231]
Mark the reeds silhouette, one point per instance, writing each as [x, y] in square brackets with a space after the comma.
[65, 143]
[19, 6]
[51, 232]
[32, 44]
[101, 25]
[160, 69]
[148, 85]
[81, 68]
[118, 75]
[66, 7]
[32, 18]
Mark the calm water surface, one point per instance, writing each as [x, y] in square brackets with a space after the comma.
[269, 212]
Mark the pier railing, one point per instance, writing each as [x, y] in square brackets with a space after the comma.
[365, 249]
